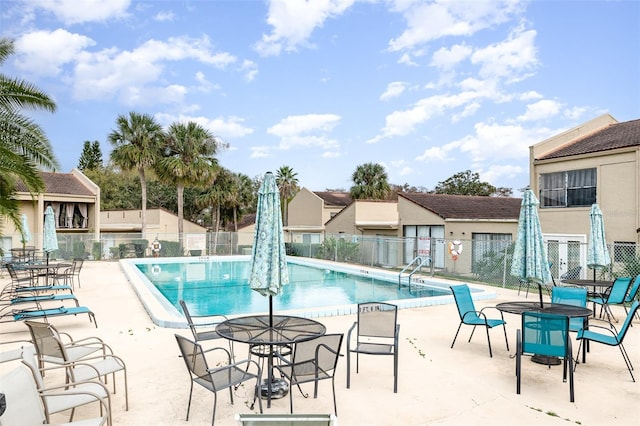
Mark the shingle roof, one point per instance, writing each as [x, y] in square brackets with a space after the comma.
[59, 183]
[467, 206]
[335, 198]
[614, 136]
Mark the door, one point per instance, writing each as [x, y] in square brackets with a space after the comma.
[566, 252]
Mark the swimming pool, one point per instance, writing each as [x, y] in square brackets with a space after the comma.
[219, 284]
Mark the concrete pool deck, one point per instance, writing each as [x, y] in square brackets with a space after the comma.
[437, 385]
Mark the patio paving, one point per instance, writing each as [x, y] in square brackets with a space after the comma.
[437, 385]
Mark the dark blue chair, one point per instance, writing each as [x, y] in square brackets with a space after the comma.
[545, 335]
[614, 295]
[612, 337]
[469, 315]
[575, 296]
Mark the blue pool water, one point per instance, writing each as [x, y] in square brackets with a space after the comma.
[221, 287]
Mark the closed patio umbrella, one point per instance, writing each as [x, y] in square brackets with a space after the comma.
[268, 258]
[597, 252]
[25, 234]
[50, 237]
[530, 262]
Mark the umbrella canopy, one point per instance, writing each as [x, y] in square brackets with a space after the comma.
[597, 252]
[50, 242]
[25, 233]
[268, 259]
[530, 262]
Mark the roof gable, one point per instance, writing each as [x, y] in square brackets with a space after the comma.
[467, 206]
[335, 198]
[613, 136]
[59, 183]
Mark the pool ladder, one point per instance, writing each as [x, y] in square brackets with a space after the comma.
[419, 262]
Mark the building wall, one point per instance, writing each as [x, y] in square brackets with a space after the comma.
[616, 194]
[306, 210]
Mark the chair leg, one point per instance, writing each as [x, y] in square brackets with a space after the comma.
[571, 390]
[488, 341]
[627, 360]
[518, 361]
[504, 328]
[189, 403]
[452, 343]
[348, 367]
[395, 371]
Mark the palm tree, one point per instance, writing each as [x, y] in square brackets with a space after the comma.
[138, 142]
[370, 182]
[188, 160]
[24, 147]
[288, 186]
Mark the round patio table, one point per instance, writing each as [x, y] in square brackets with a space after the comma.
[274, 331]
[570, 311]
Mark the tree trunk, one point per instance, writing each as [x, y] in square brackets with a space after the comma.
[143, 191]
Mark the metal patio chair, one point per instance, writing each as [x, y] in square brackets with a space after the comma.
[614, 295]
[469, 315]
[377, 333]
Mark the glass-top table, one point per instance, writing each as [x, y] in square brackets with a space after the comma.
[272, 331]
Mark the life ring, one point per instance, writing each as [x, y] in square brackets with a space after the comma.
[156, 246]
[155, 270]
[455, 249]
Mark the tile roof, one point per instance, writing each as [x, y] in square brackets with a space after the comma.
[59, 183]
[467, 206]
[335, 198]
[613, 136]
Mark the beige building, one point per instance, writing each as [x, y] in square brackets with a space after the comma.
[470, 226]
[366, 217]
[75, 200]
[596, 162]
[308, 213]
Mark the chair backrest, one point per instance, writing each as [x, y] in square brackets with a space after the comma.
[24, 406]
[187, 315]
[377, 319]
[619, 290]
[193, 357]
[30, 361]
[575, 296]
[633, 290]
[46, 340]
[545, 334]
[76, 266]
[572, 274]
[325, 349]
[627, 321]
[464, 302]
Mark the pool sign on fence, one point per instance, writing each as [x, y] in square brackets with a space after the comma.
[424, 246]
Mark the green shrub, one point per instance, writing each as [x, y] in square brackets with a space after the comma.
[339, 250]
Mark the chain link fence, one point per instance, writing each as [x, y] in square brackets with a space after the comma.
[485, 261]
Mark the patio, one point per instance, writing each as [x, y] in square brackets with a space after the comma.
[437, 385]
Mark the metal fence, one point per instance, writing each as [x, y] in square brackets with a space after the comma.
[486, 261]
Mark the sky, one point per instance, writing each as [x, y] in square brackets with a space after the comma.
[427, 89]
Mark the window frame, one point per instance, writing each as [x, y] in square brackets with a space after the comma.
[563, 193]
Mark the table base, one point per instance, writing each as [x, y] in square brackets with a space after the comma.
[546, 360]
[279, 389]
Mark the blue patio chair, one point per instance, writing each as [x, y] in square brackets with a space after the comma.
[546, 335]
[632, 294]
[575, 296]
[614, 295]
[612, 337]
[470, 316]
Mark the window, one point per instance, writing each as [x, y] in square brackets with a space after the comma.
[573, 188]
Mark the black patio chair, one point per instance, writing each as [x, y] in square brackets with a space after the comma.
[225, 376]
[312, 361]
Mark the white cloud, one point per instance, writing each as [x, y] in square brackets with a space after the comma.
[446, 59]
[437, 153]
[394, 89]
[230, 127]
[46, 52]
[164, 16]
[509, 59]
[260, 152]
[111, 72]
[305, 130]
[540, 110]
[250, 69]
[495, 173]
[205, 85]
[70, 12]
[575, 113]
[427, 21]
[294, 21]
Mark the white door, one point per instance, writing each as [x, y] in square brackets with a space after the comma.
[566, 252]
